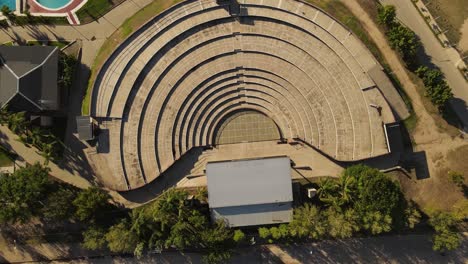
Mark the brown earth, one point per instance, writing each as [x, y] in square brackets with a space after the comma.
[430, 134]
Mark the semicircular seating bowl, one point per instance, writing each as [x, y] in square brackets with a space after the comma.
[168, 87]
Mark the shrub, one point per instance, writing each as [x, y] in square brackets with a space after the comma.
[457, 178]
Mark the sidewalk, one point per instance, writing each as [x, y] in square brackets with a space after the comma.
[31, 155]
[98, 30]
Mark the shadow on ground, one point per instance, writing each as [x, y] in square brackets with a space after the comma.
[169, 178]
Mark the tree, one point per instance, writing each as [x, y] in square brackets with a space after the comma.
[457, 178]
[376, 192]
[280, 232]
[341, 224]
[91, 204]
[446, 241]
[328, 191]
[217, 242]
[386, 15]
[307, 222]
[58, 206]
[404, 41]
[446, 235]
[121, 239]
[436, 88]
[22, 193]
[264, 232]
[239, 236]
[17, 122]
[412, 215]
[376, 222]
[94, 238]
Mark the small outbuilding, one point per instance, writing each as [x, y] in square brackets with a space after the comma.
[85, 128]
[250, 192]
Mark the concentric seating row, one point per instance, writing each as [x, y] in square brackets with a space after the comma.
[169, 86]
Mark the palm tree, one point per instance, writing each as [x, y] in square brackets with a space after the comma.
[47, 151]
[35, 136]
[347, 185]
[4, 115]
[17, 122]
[328, 190]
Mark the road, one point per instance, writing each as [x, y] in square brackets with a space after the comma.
[386, 249]
[442, 57]
[414, 248]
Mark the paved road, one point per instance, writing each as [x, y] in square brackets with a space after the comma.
[387, 249]
[442, 57]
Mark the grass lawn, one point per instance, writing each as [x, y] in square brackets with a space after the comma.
[59, 44]
[9, 43]
[94, 9]
[5, 158]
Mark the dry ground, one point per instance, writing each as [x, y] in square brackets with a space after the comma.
[452, 14]
[440, 141]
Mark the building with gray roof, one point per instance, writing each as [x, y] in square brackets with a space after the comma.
[250, 192]
[28, 78]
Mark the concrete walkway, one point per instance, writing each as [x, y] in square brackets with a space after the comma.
[446, 58]
[31, 155]
[99, 30]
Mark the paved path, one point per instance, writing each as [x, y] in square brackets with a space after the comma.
[100, 30]
[444, 58]
[385, 249]
[31, 155]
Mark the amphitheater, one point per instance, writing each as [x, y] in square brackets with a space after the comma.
[209, 77]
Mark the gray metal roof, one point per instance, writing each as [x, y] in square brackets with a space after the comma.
[249, 182]
[254, 215]
[31, 72]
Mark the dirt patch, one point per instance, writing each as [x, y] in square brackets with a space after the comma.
[431, 134]
[463, 45]
[439, 192]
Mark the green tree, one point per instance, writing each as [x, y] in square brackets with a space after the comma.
[264, 232]
[328, 191]
[58, 206]
[91, 204]
[386, 15]
[446, 241]
[404, 41]
[376, 222]
[22, 193]
[341, 224]
[17, 122]
[436, 88]
[376, 192]
[412, 215]
[307, 222]
[239, 236]
[121, 239]
[94, 238]
[446, 235]
[217, 242]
